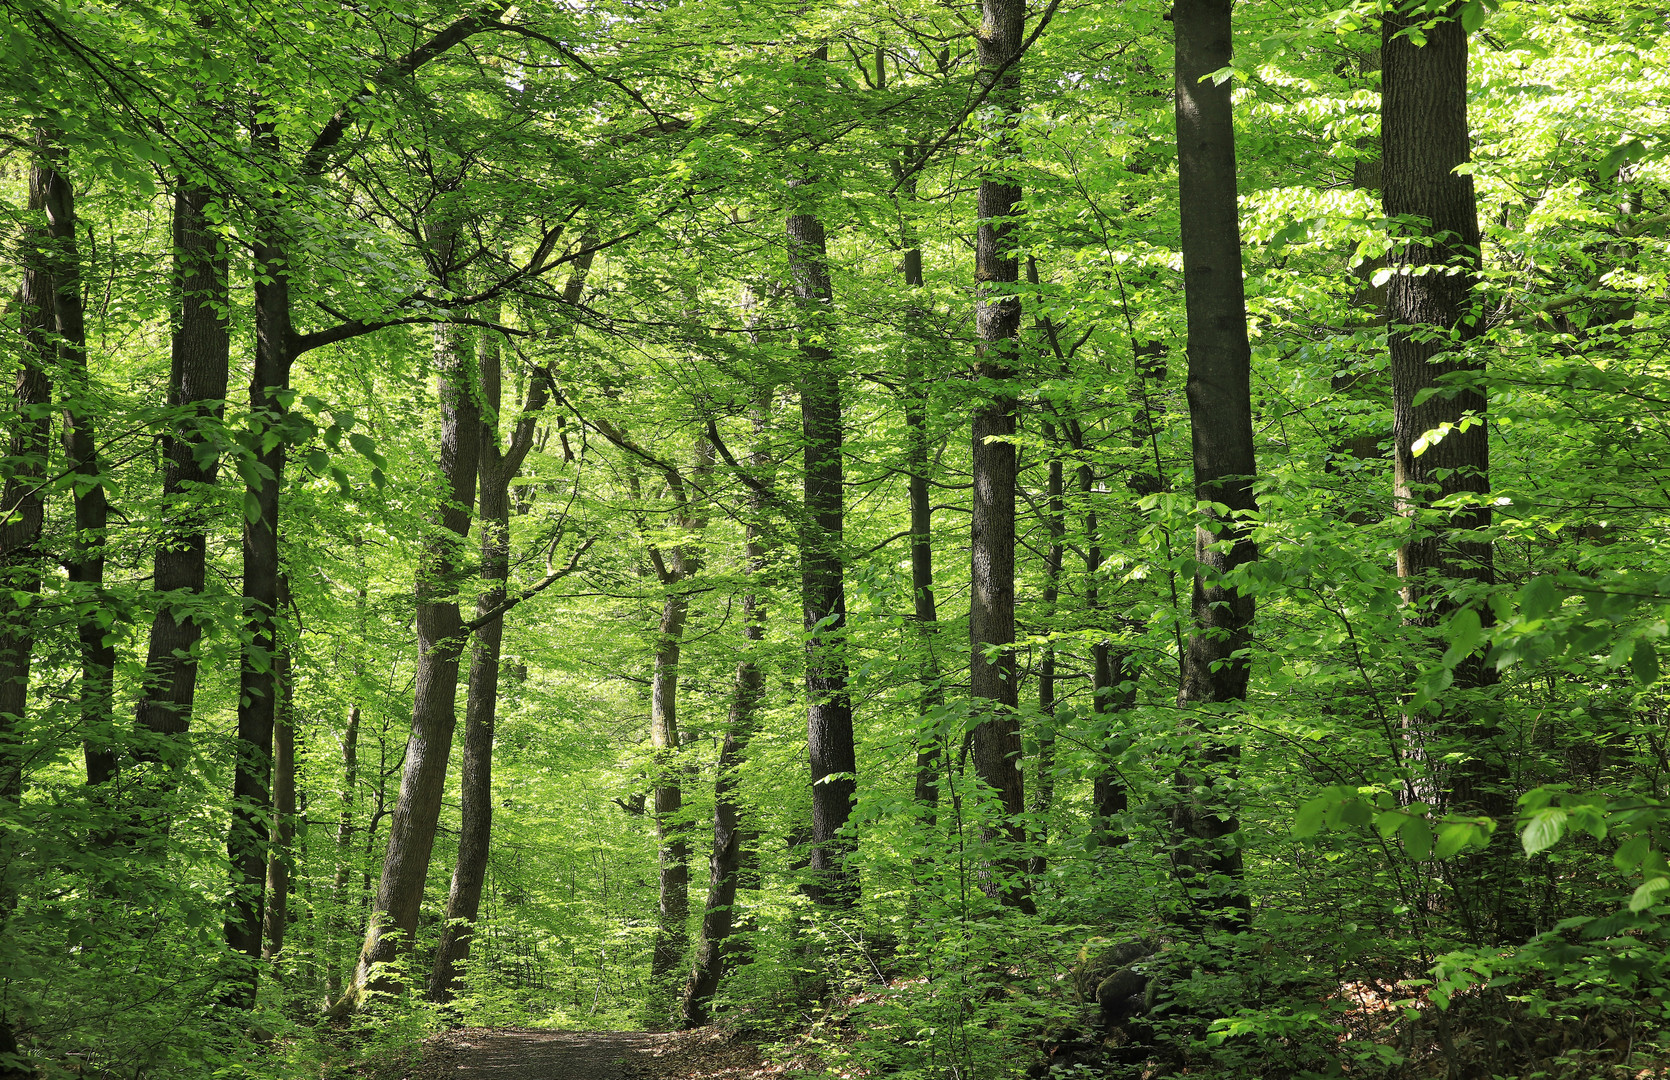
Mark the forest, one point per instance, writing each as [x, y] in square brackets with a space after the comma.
[946, 539]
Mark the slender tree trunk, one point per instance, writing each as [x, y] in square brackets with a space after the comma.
[81, 450]
[1205, 856]
[417, 811]
[1055, 514]
[344, 846]
[498, 469]
[829, 735]
[729, 833]
[280, 854]
[20, 534]
[993, 681]
[917, 460]
[246, 840]
[197, 377]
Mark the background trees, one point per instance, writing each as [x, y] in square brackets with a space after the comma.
[577, 244]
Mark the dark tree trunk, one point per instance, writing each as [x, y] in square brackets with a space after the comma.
[829, 735]
[729, 833]
[246, 841]
[498, 469]
[281, 838]
[1055, 514]
[441, 635]
[81, 451]
[917, 460]
[1205, 856]
[992, 676]
[20, 533]
[1431, 316]
[344, 846]
[197, 378]
[676, 566]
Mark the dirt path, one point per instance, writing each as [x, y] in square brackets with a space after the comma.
[519, 1054]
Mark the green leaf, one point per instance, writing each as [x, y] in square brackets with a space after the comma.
[1308, 821]
[1631, 852]
[1472, 16]
[1643, 662]
[1647, 894]
[1538, 597]
[1453, 836]
[1417, 838]
[252, 506]
[1544, 829]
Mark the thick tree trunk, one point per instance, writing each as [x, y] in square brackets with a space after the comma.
[85, 566]
[197, 378]
[729, 833]
[20, 534]
[823, 597]
[993, 682]
[417, 811]
[281, 838]
[246, 841]
[1205, 856]
[1431, 318]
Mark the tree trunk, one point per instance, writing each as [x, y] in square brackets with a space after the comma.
[1205, 857]
[1055, 513]
[85, 567]
[20, 532]
[417, 811]
[823, 597]
[917, 459]
[1424, 139]
[498, 469]
[280, 854]
[246, 840]
[197, 378]
[344, 844]
[992, 676]
[729, 833]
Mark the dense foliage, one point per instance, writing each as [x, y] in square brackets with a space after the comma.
[705, 293]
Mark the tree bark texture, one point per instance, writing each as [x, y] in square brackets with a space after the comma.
[282, 835]
[344, 846]
[498, 469]
[85, 567]
[729, 832]
[829, 734]
[257, 685]
[1205, 855]
[993, 683]
[675, 566]
[199, 360]
[441, 635]
[1431, 317]
[20, 529]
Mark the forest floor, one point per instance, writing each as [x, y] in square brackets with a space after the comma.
[531, 1054]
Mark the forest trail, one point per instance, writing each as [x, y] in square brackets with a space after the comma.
[544, 1054]
[514, 1054]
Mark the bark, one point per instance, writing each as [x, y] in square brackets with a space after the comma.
[1424, 139]
[674, 567]
[197, 381]
[85, 566]
[1055, 513]
[257, 686]
[344, 843]
[993, 683]
[20, 530]
[282, 835]
[725, 865]
[1205, 856]
[917, 459]
[498, 469]
[417, 810]
[823, 597]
